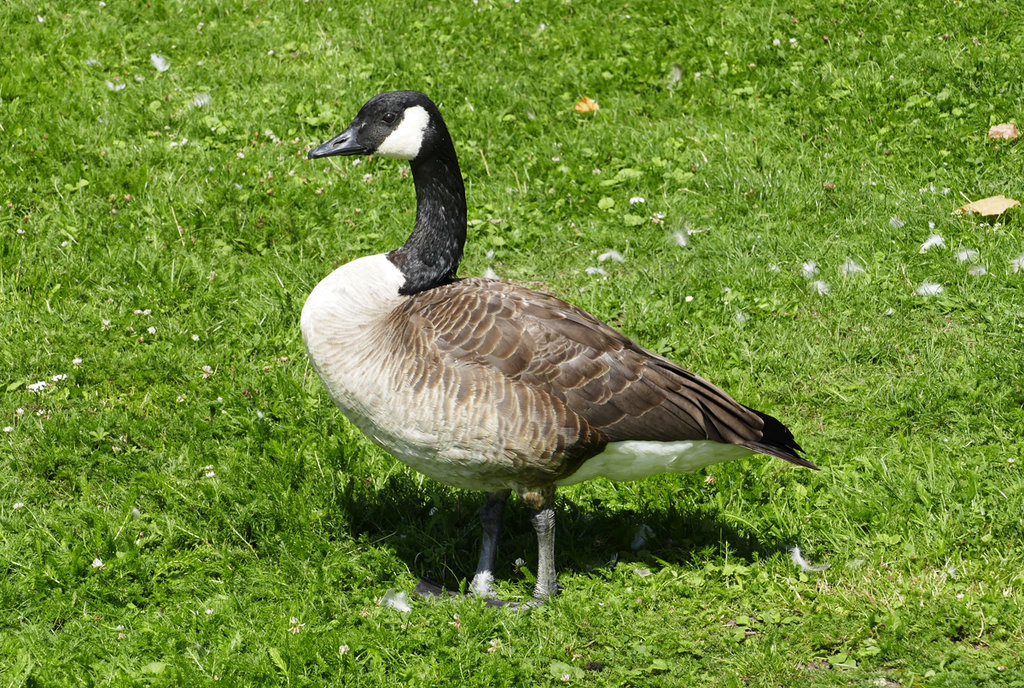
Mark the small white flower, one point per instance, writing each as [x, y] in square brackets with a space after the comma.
[928, 289]
[19, 412]
[151, 329]
[259, 415]
[38, 386]
[296, 626]
[59, 377]
[209, 611]
[106, 325]
[17, 505]
[97, 563]
[688, 299]
[210, 474]
[119, 86]
[637, 199]
[8, 428]
[159, 62]
[776, 42]
[76, 361]
[195, 338]
[343, 650]
[792, 41]
[180, 398]
[207, 371]
[367, 177]
[41, 412]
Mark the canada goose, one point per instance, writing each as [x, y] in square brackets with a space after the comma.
[487, 385]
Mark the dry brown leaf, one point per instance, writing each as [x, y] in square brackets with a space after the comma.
[1007, 130]
[989, 207]
[586, 104]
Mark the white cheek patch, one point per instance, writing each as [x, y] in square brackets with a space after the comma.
[405, 141]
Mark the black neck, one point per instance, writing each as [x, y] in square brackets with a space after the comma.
[430, 256]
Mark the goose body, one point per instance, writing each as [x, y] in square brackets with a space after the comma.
[488, 385]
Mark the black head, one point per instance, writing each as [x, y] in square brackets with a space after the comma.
[398, 124]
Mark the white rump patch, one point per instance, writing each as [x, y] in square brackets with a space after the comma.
[405, 141]
[635, 459]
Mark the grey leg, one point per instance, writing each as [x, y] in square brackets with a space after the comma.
[491, 514]
[543, 520]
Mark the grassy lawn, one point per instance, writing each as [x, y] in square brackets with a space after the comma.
[181, 503]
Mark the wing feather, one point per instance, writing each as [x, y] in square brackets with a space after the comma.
[576, 383]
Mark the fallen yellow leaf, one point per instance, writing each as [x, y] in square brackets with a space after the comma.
[586, 104]
[1007, 130]
[989, 207]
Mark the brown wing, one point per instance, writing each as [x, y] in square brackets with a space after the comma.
[561, 356]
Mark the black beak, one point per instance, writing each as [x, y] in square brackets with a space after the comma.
[342, 144]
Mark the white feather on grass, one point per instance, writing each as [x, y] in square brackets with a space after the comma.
[680, 238]
[850, 267]
[809, 269]
[966, 255]
[595, 271]
[977, 270]
[805, 565]
[489, 273]
[643, 535]
[201, 100]
[932, 241]
[611, 255]
[821, 287]
[396, 600]
[159, 62]
[928, 289]
[1017, 264]
[895, 222]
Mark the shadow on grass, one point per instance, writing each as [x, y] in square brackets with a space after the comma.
[435, 530]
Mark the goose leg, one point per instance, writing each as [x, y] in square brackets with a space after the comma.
[543, 520]
[491, 514]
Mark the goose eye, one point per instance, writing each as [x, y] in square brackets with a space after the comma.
[389, 117]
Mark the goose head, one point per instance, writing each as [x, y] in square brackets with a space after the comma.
[400, 124]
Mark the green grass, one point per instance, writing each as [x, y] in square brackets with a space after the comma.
[224, 503]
